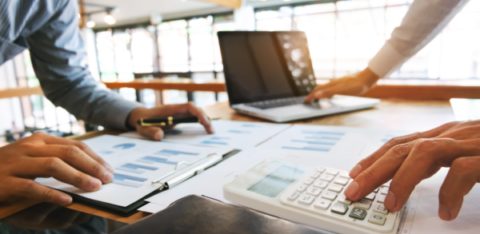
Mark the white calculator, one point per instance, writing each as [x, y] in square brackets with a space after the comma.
[313, 197]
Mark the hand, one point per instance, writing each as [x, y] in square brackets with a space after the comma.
[356, 84]
[409, 159]
[156, 133]
[42, 155]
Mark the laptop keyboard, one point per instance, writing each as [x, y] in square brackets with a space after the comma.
[277, 102]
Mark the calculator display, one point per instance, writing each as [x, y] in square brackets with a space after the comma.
[274, 183]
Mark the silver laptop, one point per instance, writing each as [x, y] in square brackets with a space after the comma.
[268, 75]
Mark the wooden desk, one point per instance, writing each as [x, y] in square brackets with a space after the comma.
[389, 115]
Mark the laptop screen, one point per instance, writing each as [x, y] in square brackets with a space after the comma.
[258, 66]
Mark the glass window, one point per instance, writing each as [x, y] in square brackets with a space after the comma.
[173, 46]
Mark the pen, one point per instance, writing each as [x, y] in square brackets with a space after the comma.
[167, 121]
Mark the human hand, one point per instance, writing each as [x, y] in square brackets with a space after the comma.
[42, 155]
[356, 84]
[409, 159]
[156, 133]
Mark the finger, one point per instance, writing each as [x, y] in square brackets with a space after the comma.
[31, 190]
[202, 117]
[187, 108]
[462, 176]
[82, 146]
[75, 157]
[378, 173]
[58, 169]
[426, 157]
[317, 90]
[365, 163]
[154, 133]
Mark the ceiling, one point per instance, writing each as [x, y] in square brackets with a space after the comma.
[131, 11]
[134, 11]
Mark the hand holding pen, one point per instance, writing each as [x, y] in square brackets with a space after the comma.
[152, 119]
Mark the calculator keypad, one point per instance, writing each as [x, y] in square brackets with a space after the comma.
[322, 193]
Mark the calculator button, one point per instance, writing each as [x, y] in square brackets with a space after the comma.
[322, 204]
[335, 188]
[308, 181]
[343, 199]
[381, 198]
[306, 199]
[316, 174]
[370, 196]
[321, 170]
[302, 187]
[384, 190]
[341, 180]
[326, 177]
[376, 218]
[358, 213]
[380, 208]
[339, 208]
[331, 172]
[314, 191]
[293, 196]
[321, 184]
[363, 203]
[329, 195]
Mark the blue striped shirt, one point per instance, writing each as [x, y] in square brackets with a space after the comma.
[49, 30]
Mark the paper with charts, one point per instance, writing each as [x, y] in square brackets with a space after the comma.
[236, 134]
[137, 163]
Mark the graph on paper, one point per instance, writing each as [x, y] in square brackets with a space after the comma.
[236, 134]
[314, 140]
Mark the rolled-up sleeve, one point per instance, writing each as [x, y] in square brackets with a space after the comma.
[59, 59]
[423, 21]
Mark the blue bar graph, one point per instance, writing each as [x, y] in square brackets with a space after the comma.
[137, 168]
[171, 152]
[307, 148]
[315, 140]
[237, 131]
[152, 159]
[213, 142]
[128, 180]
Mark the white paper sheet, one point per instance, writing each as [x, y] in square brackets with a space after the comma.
[137, 163]
[236, 134]
[422, 210]
[352, 146]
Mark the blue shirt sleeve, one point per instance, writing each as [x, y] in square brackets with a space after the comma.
[59, 59]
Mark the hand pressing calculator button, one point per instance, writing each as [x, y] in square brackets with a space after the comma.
[314, 197]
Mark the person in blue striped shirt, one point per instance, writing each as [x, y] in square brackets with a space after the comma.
[49, 30]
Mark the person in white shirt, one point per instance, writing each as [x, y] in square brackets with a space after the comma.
[407, 160]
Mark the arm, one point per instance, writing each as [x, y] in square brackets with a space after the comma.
[423, 21]
[59, 60]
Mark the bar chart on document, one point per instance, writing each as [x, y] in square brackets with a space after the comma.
[137, 163]
[309, 139]
[235, 134]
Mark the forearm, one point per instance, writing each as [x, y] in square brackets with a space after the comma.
[87, 100]
[423, 21]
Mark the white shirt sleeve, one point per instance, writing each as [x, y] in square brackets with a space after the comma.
[423, 21]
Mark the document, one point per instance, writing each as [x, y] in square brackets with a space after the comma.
[138, 165]
[235, 134]
[352, 146]
[422, 210]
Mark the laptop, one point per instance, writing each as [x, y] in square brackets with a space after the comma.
[268, 75]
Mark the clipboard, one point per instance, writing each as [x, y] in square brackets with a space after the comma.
[168, 182]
